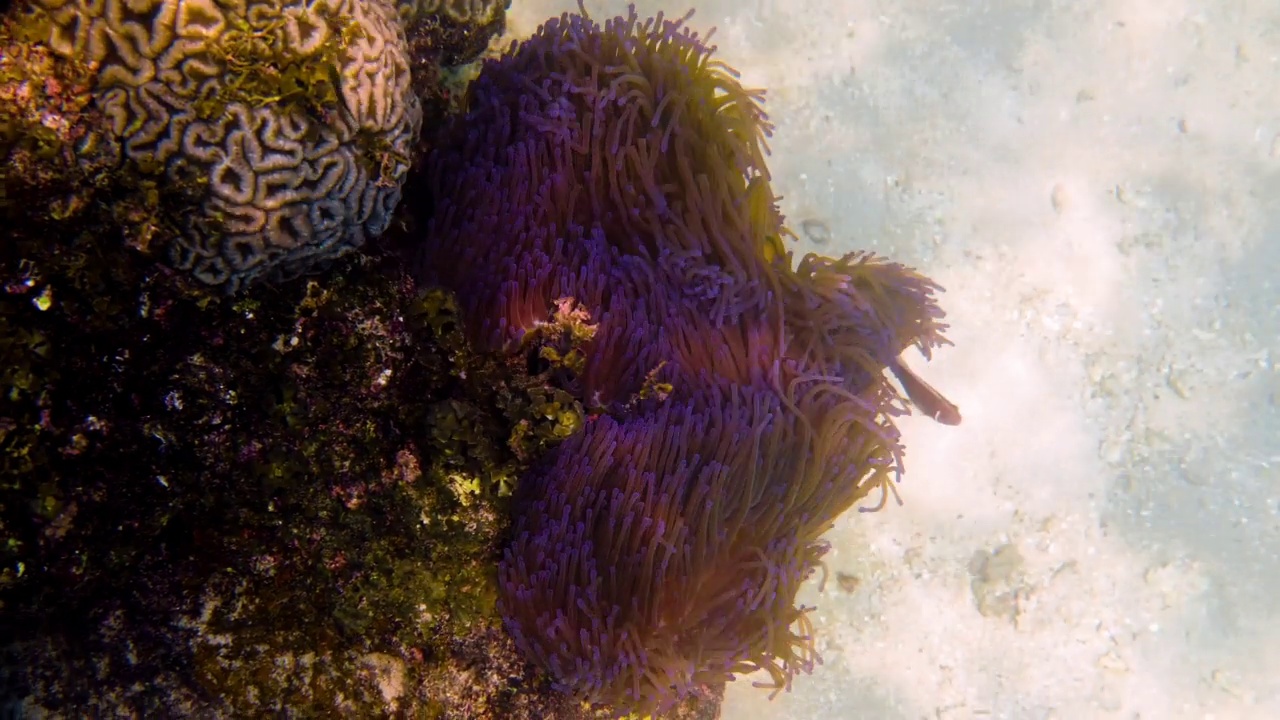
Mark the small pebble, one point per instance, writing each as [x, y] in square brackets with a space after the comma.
[848, 583]
[816, 231]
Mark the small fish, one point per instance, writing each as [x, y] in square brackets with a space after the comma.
[924, 396]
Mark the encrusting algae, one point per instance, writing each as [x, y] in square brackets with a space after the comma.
[563, 445]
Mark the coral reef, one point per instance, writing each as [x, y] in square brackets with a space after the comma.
[287, 502]
[216, 509]
[739, 402]
[444, 40]
[48, 143]
[478, 12]
[599, 406]
[289, 123]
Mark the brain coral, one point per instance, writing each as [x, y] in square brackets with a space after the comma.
[618, 170]
[294, 118]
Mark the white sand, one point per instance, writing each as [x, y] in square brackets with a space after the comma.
[1097, 184]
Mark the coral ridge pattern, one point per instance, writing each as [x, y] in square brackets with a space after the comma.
[297, 117]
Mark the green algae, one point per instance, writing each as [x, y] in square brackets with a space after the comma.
[262, 68]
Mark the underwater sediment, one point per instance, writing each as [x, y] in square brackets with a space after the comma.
[564, 445]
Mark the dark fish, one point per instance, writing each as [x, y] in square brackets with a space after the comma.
[924, 396]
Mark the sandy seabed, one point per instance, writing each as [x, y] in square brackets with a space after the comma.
[1097, 185]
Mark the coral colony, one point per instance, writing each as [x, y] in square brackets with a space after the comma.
[183, 88]
[584, 394]
[620, 169]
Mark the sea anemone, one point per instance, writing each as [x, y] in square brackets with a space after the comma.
[619, 166]
[616, 174]
[664, 551]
